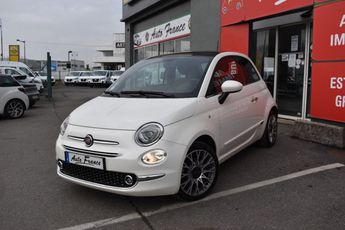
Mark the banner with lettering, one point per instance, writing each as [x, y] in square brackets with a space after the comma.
[171, 30]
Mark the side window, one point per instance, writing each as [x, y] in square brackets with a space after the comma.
[250, 73]
[231, 68]
[7, 81]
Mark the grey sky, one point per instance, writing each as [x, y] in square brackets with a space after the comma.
[60, 25]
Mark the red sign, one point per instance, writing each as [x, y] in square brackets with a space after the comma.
[235, 38]
[234, 11]
[328, 91]
[329, 32]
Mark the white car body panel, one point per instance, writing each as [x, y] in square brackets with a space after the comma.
[9, 93]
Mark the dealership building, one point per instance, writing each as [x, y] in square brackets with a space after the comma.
[298, 46]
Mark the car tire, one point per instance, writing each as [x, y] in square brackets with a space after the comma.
[269, 137]
[199, 172]
[14, 108]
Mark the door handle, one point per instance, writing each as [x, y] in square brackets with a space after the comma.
[254, 99]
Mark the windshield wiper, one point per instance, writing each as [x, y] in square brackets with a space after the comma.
[147, 93]
[112, 93]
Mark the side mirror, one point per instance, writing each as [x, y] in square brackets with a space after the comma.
[228, 87]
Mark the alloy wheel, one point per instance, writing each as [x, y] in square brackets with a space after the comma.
[198, 173]
[15, 109]
[272, 128]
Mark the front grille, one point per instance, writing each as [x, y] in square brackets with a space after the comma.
[83, 79]
[90, 152]
[30, 89]
[116, 179]
[95, 80]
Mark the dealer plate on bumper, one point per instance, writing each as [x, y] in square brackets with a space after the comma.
[84, 160]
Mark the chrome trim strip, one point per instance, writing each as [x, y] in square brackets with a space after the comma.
[97, 141]
[90, 152]
[150, 177]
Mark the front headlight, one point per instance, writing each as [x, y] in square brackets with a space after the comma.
[64, 126]
[149, 134]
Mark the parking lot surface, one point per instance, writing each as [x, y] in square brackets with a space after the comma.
[294, 185]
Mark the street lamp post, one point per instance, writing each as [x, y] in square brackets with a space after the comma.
[2, 42]
[18, 40]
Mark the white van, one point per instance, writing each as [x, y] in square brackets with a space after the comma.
[24, 68]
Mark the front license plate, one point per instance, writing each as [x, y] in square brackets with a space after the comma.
[88, 161]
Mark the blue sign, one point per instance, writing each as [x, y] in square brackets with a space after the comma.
[54, 66]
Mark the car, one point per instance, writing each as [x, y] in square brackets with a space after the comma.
[72, 78]
[100, 77]
[30, 88]
[115, 75]
[166, 125]
[84, 78]
[13, 100]
[44, 78]
[25, 69]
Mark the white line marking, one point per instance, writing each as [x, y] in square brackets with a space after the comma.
[133, 216]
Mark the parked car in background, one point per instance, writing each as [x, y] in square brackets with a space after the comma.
[13, 100]
[100, 77]
[85, 78]
[167, 124]
[115, 74]
[72, 78]
[44, 77]
[25, 69]
[30, 88]
[16, 72]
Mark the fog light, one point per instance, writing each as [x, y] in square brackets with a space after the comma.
[153, 157]
[129, 180]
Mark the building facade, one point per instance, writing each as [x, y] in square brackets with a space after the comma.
[155, 27]
[299, 48]
[297, 45]
[113, 57]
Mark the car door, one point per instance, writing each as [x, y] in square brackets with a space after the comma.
[236, 121]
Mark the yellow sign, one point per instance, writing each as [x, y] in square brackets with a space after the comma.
[14, 52]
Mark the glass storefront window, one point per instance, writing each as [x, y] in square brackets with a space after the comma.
[263, 55]
[168, 47]
[182, 45]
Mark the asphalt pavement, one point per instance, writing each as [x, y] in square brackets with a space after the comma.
[284, 187]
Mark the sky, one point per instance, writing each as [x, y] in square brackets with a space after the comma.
[58, 26]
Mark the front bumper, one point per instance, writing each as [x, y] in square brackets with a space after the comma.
[33, 98]
[161, 179]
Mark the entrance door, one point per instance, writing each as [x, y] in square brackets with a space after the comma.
[290, 71]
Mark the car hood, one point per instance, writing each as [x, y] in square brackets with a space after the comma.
[131, 113]
[71, 77]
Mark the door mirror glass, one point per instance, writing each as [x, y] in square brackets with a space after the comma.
[231, 86]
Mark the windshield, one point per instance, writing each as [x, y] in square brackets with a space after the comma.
[177, 76]
[99, 73]
[26, 71]
[117, 73]
[74, 74]
[85, 74]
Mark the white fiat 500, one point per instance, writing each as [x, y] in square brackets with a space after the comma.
[165, 126]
